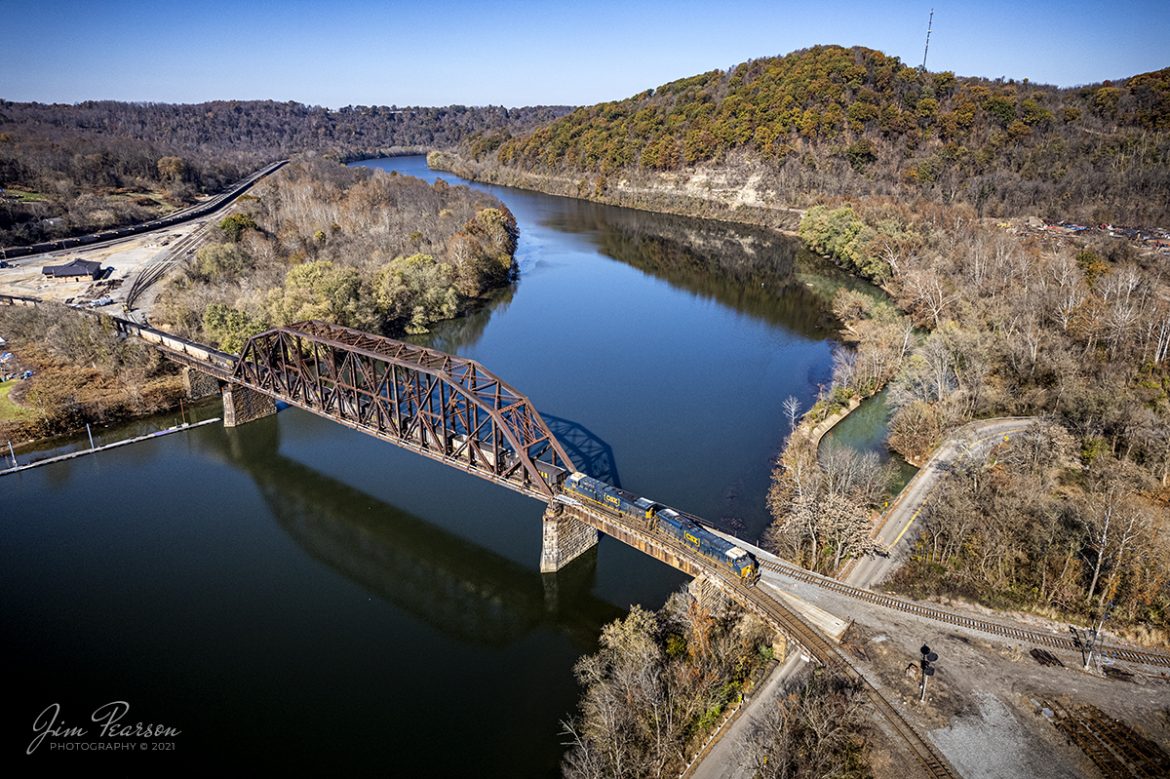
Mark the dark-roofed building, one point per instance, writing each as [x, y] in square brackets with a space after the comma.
[78, 270]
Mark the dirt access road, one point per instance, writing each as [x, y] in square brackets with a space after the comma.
[999, 714]
[897, 531]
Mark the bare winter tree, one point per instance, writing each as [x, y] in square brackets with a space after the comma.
[792, 412]
[815, 730]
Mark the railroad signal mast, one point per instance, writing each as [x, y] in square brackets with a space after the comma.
[929, 25]
[927, 666]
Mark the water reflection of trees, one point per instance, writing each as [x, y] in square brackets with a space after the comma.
[454, 334]
[766, 275]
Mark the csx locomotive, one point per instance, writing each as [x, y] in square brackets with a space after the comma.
[613, 500]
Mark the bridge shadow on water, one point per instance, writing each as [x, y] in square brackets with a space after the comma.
[588, 451]
[463, 590]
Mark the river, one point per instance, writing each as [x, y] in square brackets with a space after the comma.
[293, 595]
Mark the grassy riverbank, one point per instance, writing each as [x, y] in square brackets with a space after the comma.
[10, 410]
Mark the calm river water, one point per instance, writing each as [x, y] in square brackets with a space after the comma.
[294, 595]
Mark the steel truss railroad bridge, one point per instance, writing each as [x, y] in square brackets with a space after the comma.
[438, 405]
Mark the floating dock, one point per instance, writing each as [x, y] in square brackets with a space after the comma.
[115, 445]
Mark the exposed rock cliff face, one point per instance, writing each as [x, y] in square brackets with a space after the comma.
[738, 192]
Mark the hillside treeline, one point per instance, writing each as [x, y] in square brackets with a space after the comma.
[830, 120]
[69, 169]
[354, 246]
[1069, 518]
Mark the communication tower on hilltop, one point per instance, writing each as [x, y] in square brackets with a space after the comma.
[929, 25]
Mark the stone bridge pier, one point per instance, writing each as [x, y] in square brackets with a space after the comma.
[242, 405]
[709, 595]
[565, 538]
[198, 384]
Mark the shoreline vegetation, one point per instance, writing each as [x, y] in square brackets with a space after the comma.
[81, 374]
[358, 247]
[661, 681]
[381, 252]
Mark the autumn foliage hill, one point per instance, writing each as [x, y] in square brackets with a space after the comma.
[853, 122]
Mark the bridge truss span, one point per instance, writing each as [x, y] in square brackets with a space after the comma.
[441, 406]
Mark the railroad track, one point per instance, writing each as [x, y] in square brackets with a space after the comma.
[834, 660]
[960, 620]
[1114, 747]
[157, 268]
[113, 235]
[827, 654]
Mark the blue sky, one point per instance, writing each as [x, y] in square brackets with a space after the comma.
[522, 53]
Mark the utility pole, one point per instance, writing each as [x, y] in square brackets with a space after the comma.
[1089, 639]
[929, 25]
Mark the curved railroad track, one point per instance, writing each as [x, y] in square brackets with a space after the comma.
[114, 234]
[825, 652]
[941, 615]
[835, 660]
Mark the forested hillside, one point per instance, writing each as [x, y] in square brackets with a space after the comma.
[835, 121]
[1068, 519]
[67, 169]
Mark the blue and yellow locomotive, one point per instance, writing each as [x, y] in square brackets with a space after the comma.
[614, 500]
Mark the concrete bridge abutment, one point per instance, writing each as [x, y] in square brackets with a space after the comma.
[564, 539]
[710, 595]
[242, 405]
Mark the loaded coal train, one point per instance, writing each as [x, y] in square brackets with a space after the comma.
[185, 215]
[613, 500]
